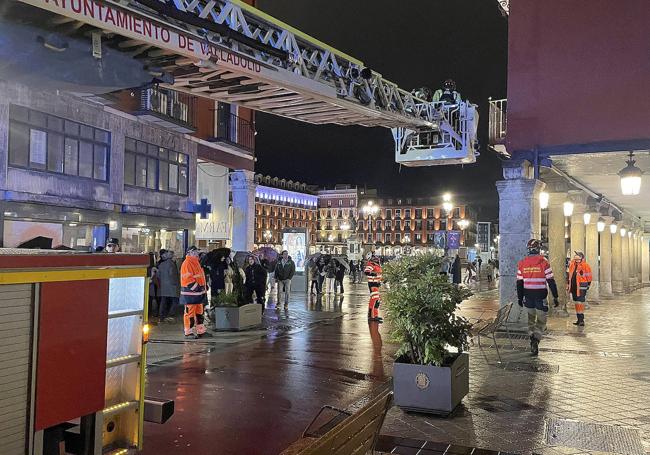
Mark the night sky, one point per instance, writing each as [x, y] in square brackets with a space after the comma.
[416, 43]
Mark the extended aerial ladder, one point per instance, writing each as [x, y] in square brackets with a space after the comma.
[229, 51]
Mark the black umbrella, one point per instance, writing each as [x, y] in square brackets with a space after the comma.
[215, 256]
[38, 243]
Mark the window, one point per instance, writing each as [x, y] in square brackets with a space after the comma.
[430, 238]
[430, 225]
[443, 224]
[379, 237]
[389, 213]
[430, 214]
[407, 225]
[388, 237]
[398, 224]
[389, 224]
[418, 225]
[398, 213]
[418, 214]
[340, 202]
[418, 238]
[329, 203]
[398, 237]
[47, 143]
[378, 224]
[407, 214]
[155, 168]
[351, 202]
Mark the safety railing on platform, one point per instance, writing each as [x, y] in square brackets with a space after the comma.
[498, 121]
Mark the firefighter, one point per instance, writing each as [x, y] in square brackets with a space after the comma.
[193, 293]
[373, 272]
[448, 93]
[579, 282]
[534, 273]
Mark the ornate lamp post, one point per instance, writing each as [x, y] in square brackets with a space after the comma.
[370, 210]
[267, 237]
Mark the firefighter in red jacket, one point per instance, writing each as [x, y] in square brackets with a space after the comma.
[578, 285]
[534, 273]
[373, 272]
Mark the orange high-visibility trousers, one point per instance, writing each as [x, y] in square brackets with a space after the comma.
[193, 319]
[374, 301]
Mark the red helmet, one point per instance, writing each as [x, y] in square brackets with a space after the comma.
[534, 246]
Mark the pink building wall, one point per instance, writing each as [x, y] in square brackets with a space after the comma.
[578, 73]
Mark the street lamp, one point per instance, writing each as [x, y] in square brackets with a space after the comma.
[463, 224]
[630, 178]
[370, 210]
[345, 226]
[543, 200]
[600, 225]
[612, 228]
[267, 236]
[568, 208]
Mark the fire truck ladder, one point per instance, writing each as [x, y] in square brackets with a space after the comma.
[229, 51]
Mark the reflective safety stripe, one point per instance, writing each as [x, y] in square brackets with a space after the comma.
[534, 286]
[534, 280]
[549, 276]
[192, 293]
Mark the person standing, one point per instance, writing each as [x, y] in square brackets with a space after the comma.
[169, 284]
[255, 281]
[330, 276]
[284, 272]
[354, 271]
[313, 277]
[456, 271]
[479, 262]
[489, 270]
[373, 271]
[154, 286]
[534, 273]
[321, 274]
[340, 275]
[218, 276]
[579, 281]
[193, 293]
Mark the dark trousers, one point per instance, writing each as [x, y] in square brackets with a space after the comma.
[321, 278]
[314, 284]
[166, 306]
[259, 290]
[338, 283]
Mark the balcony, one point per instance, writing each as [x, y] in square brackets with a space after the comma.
[498, 123]
[235, 131]
[168, 109]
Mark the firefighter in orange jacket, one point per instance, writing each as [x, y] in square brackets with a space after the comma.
[534, 273]
[373, 272]
[579, 282]
[193, 293]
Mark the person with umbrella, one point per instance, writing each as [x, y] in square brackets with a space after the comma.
[255, 281]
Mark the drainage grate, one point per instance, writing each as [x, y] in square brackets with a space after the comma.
[532, 367]
[590, 436]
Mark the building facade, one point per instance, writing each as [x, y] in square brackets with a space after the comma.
[414, 224]
[337, 218]
[281, 205]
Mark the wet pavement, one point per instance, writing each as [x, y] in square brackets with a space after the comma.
[592, 383]
[254, 393]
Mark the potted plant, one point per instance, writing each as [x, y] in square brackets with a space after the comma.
[431, 371]
[232, 311]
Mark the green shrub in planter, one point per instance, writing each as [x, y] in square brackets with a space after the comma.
[431, 373]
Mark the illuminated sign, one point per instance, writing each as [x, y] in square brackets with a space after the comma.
[295, 242]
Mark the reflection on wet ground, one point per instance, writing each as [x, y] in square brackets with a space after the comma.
[254, 392]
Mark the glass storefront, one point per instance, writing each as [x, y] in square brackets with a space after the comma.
[143, 239]
[76, 236]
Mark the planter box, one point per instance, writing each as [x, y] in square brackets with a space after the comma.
[238, 318]
[430, 389]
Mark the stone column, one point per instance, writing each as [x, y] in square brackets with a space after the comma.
[242, 186]
[577, 232]
[625, 261]
[634, 266]
[617, 262]
[519, 221]
[645, 260]
[557, 242]
[591, 254]
[605, 280]
[637, 248]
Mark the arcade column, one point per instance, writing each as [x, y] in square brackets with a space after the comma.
[519, 221]
[591, 253]
[617, 262]
[605, 281]
[645, 260]
[557, 242]
[625, 259]
[242, 187]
